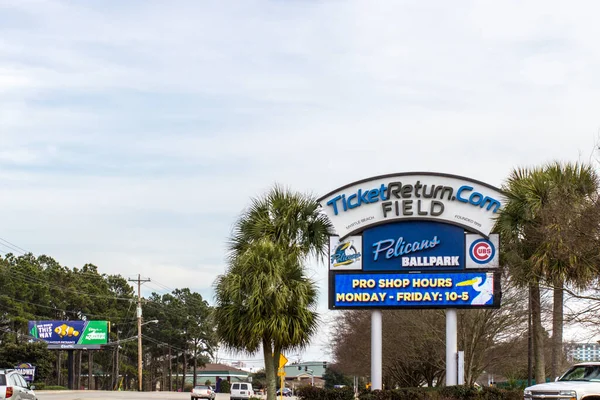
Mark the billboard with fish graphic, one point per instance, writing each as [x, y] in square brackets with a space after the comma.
[70, 334]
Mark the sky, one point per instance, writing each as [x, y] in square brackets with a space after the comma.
[132, 134]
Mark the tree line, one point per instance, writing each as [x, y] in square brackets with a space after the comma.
[39, 288]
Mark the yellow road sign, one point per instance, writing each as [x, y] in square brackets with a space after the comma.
[282, 360]
[281, 372]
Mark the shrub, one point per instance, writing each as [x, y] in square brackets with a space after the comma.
[188, 387]
[225, 387]
[42, 386]
[443, 393]
[315, 393]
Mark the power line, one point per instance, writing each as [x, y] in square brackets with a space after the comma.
[59, 309]
[14, 246]
[32, 279]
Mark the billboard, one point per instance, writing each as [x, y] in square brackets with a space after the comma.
[413, 245]
[70, 334]
[476, 289]
[345, 254]
[414, 195]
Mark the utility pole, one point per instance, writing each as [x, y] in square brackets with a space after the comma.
[116, 386]
[139, 281]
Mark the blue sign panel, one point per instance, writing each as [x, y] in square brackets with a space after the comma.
[413, 245]
[398, 290]
[27, 371]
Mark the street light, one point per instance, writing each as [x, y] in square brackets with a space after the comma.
[153, 321]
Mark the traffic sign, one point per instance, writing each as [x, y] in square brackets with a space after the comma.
[280, 372]
[282, 360]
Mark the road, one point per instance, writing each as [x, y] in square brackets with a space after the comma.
[99, 394]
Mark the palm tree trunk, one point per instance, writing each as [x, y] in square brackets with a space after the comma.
[538, 333]
[557, 329]
[270, 371]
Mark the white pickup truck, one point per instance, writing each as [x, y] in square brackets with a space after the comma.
[580, 382]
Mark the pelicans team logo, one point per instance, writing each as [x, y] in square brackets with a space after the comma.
[345, 254]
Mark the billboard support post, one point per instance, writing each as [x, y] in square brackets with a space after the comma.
[451, 347]
[70, 362]
[376, 349]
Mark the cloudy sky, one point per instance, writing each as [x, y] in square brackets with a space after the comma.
[133, 133]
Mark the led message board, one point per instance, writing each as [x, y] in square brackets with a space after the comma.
[428, 290]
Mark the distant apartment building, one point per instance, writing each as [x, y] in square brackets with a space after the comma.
[583, 352]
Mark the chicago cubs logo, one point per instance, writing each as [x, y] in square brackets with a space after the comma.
[345, 254]
[482, 251]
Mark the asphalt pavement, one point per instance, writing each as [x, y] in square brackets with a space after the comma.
[101, 394]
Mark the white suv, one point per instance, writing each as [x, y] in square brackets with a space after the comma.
[14, 387]
[241, 390]
[581, 381]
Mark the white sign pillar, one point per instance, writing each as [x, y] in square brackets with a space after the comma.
[376, 349]
[451, 347]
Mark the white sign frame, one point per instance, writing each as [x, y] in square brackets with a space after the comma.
[453, 199]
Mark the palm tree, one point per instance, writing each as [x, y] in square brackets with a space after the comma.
[569, 230]
[264, 299]
[288, 219]
[526, 191]
[549, 229]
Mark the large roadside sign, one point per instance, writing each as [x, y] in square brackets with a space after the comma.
[414, 240]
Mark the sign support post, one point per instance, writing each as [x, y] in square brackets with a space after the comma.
[70, 374]
[451, 347]
[376, 349]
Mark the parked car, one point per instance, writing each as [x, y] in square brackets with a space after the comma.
[286, 392]
[14, 387]
[241, 391]
[203, 392]
[581, 381]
